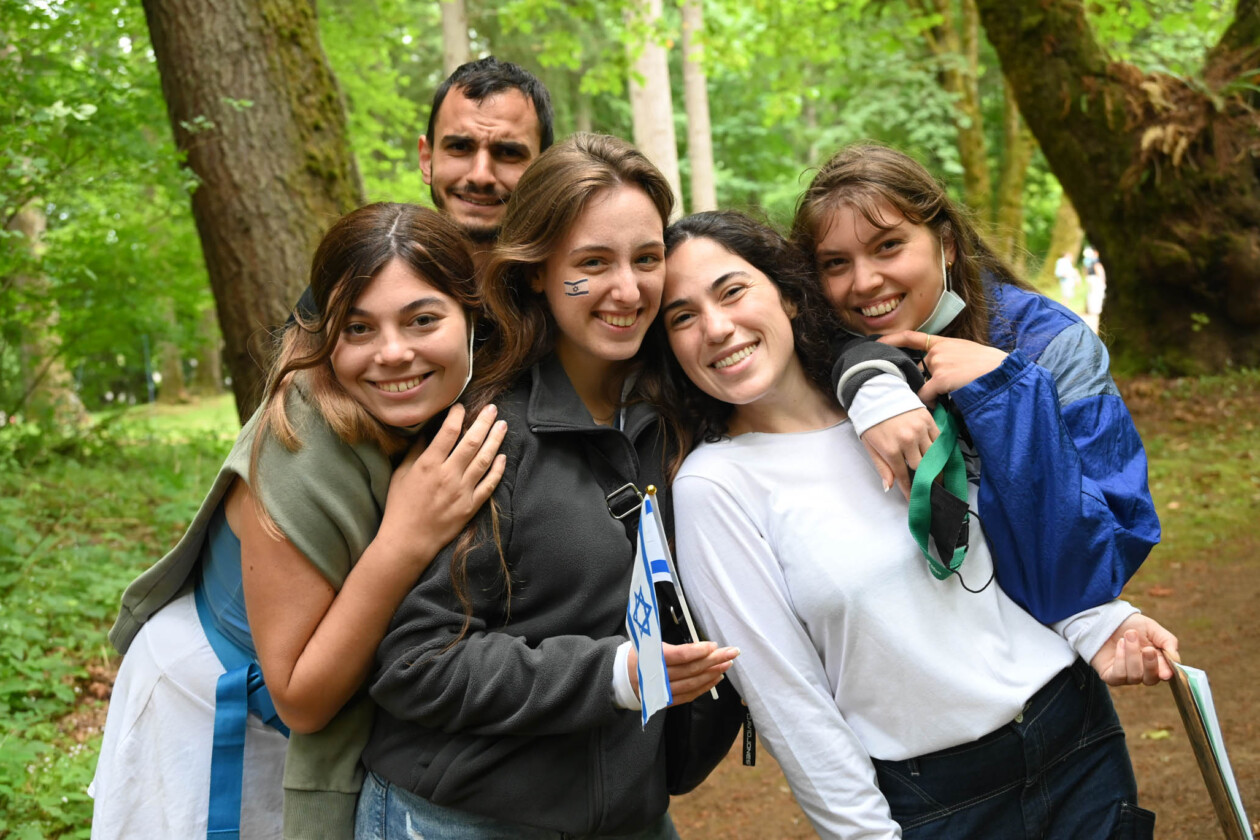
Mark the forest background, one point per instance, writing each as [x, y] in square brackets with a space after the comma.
[143, 255]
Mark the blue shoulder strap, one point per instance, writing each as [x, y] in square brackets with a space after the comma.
[240, 690]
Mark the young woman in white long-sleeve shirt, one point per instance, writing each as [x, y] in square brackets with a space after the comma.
[897, 704]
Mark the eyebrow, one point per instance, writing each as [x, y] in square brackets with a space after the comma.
[598, 246]
[677, 302]
[880, 233]
[418, 303]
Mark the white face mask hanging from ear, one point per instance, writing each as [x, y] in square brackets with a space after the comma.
[948, 306]
[472, 331]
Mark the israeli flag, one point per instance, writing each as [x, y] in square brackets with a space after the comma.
[651, 563]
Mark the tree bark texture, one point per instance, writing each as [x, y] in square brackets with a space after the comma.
[1018, 144]
[956, 46]
[208, 377]
[696, 101]
[1165, 173]
[651, 102]
[48, 394]
[253, 103]
[454, 35]
[173, 390]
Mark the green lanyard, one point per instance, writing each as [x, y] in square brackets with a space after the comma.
[943, 458]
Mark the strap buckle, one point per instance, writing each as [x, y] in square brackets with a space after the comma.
[627, 498]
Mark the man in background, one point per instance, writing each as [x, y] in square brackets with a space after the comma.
[490, 119]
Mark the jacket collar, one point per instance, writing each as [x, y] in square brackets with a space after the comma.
[554, 405]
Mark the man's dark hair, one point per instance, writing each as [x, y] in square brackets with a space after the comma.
[483, 78]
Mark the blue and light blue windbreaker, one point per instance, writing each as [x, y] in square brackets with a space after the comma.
[1063, 491]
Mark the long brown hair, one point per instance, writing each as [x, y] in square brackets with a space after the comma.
[547, 201]
[864, 177]
[550, 197]
[352, 253]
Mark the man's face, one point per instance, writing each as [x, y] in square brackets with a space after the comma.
[479, 151]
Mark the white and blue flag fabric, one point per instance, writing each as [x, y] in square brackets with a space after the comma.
[651, 565]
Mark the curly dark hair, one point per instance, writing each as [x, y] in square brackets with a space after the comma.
[692, 416]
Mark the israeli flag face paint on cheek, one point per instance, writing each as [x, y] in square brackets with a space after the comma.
[948, 306]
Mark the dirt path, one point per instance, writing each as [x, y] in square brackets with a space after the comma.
[1207, 597]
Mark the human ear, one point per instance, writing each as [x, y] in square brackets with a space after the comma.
[950, 245]
[426, 160]
[536, 283]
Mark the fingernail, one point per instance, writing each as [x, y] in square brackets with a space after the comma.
[887, 486]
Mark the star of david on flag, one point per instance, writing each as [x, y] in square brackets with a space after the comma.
[643, 614]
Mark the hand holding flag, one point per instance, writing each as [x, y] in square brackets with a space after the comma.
[695, 667]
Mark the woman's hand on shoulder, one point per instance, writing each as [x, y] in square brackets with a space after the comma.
[1139, 651]
[952, 362]
[440, 486]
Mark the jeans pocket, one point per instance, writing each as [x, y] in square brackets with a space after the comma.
[1133, 823]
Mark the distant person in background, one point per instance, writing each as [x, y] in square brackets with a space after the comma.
[1065, 270]
[1095, 281]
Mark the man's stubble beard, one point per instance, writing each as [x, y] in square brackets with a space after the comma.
[478, 235]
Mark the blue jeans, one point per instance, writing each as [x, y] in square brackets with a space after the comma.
[1059, 770]
[388, 812]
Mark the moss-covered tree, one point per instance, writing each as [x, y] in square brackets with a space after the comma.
[254, 105]
[1164, 171]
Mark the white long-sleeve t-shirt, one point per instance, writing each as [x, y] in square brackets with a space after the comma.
[790, 550]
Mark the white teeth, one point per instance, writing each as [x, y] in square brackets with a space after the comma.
[738, 355]
[618, 320]
[881, 308]
[395, 387]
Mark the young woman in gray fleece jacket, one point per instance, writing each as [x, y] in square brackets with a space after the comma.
[508, 707]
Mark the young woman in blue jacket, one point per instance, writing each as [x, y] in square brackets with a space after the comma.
[1063, 493]
[898, 703]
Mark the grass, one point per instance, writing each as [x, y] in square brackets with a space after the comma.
[81, 516]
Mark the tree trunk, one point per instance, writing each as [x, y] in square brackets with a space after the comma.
[651, 103]
[454, 35]
[1065, 236]
[1019, 145]
[253, 103]
[956, 45]
[173, 390]
[49, 397]
[1164, 173]
[696, 101]
[208, 374]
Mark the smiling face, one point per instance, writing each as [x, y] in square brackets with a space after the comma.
[729, 330]
[479, 151]
[880, 280]
[603, 282]
[403, 353]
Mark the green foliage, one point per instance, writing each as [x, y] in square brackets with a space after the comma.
[1171, 36]
[85, 143]
[79, 518]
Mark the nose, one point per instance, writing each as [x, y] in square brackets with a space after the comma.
[392, 350]
[717, 325]
[481, 173]
[866, 277]
[625, 286]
